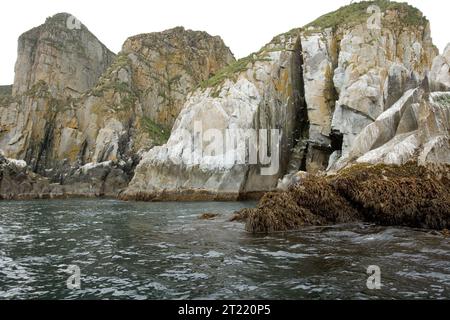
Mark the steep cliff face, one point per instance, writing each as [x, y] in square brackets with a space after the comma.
[133, 106]
[205, 157]
[440, 71]
[74, 103]
[416, 128]
[350, 87]
[167, 65]
[376, 58]
[57, 62]
[63, 53]
[342, 75]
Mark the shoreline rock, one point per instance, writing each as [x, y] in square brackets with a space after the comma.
[407, 195]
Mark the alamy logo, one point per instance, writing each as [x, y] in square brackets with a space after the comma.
[374, 280]
[228, 147]
[74, 281]
[374, 21]
[73, 23]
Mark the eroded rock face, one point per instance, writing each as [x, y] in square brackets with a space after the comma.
[64, 54]
[166, 66]
[133, 106]
[320, 59]
[338, 92]
[17, 181]
[440, 72]
[345, 77]
[375, 68]
[74, 103]
[416, 128]
[262, 91]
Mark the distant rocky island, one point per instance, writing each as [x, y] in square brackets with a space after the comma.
[363, 112]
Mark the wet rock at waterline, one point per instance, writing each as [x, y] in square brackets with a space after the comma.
[18, 181]
[408, 195]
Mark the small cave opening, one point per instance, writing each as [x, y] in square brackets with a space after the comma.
[337, 140]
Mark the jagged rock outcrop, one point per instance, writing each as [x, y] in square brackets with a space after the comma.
[416, 128]
[64, 54]
[75, 103]
[57, 62]
[133, 106]
[17, 181]
[262, 91]
[342, 76]
[440, 71]
[344, 89]
[166, 66]
[375, 66]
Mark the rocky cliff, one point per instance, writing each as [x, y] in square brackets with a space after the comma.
[166, 66]
[363, 84]
[75, 105]
[63, 53]
[260, 91]
[321, 86]
[440, 71]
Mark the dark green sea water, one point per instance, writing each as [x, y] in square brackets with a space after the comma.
[129, 250]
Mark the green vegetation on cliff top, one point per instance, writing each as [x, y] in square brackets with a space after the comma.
[233, 69]
[356, 13]
[348, 16]
[5, 95]
[5, 90]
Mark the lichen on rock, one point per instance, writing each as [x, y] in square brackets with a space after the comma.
[59, 117]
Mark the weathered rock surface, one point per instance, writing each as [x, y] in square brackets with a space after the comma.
[440, 71]
[322, 86]
[262, 91]
[17, 181]
[64, 54]
[390, 134]
[166, 66]
[416, 128]
[375, 68]
[320, 60]
[339, 91]
[133, 106]
[74, 103]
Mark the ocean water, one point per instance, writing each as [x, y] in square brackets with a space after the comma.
[134, 250]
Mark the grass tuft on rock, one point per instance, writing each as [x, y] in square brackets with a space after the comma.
[5, 90]
[155, 131]
[233, 70]
[443, 99]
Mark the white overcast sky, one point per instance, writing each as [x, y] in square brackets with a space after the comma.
[244, 25]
